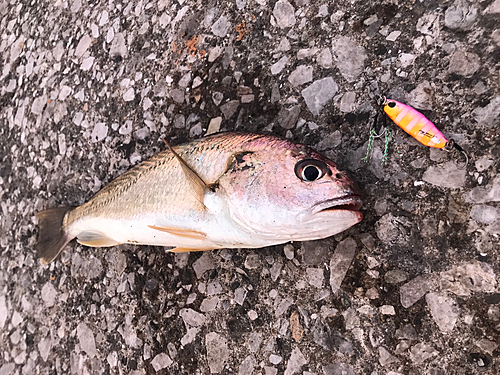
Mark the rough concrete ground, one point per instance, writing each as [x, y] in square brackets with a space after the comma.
[88, 89]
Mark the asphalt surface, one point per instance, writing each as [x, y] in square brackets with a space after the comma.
[88, 89]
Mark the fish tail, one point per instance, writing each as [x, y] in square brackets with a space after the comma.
[53, 236]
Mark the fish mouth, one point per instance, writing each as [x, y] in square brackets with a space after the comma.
[351, 202]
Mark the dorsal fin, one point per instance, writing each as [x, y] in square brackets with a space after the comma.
[196, 183]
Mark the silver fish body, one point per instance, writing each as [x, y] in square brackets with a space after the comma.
[225, 191]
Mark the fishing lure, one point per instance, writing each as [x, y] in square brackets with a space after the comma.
[417, 125]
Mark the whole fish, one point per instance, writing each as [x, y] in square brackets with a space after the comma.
[229, 190]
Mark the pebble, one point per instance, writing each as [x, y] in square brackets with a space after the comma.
[252, 261]
[415, 289]
[179, 121]
[177, 95]
[217, 352]
[86, 339]
[325, 58]
[387, 228]
[483, 164]
[487, 345]
[239, 295]
[38, 105]
[488, 115]
[99, 132]
[49, 294]
[217, 97]
[461, 15]
[315, 277]
[229, 109]
[288, 117]
[7, 368]
[253, 342]
[446, 175]
[83, 45]
[338, 368]
[161, 361]
[319, 93]
[421, 352]
[247, 366]
[284, 12]
[64, 92]
[221, 27]
[444, 310]
[348, 101]
[349, 57]
[295, 362]
[275, 359]
[87, 63]
[464, 63]
[423, 96]
[129, 95]
[44, 347]
[393, 36]
[385, 357]
[464, 279]
[252, 315]
[278, 66]
[209, 304]
[387, 310]
[214, 125]
[485, 194]
[340, 262]
[485, 214]
[192, 318]
[118, 46]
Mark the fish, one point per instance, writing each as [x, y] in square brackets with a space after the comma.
[229, 190]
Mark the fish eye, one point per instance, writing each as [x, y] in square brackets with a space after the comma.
[311, 170]
[391, 104]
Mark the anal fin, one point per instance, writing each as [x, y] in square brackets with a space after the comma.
[186, 233]
[186, 250]
[95, 239]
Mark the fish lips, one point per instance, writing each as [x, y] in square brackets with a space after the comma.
[349, 202]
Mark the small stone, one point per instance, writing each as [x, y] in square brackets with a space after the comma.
[217, 97]
[443, 309]
[112, 359]
[487, 345]
[302, 74]
[349, 57]
[423, 96]
[87, 63]
[247, 366]
[44, 347]
[348, 101]
[315, 277]
[192, 318]
[283, 306]
[284, 13]
[461, 15]
[248, 98]
[415, 289]
[86, 339]
[214, 125]
[385, 358]
[295, 362]
[49, 294]
[340, 262]
[287, 117]
[221, 27]
[387, 310]
[295, 327]
[319, 93]
[252, 315]
[464, 279]
[485, 214]
[129, 95]
[338, 368]
[209, 304]
[464, 63]
[38, 105]
[64, 93]
[83, 45]
[229, 109]
[488, 115]
[252, 261]
[161, 361]
[7, 368]
[126, 128]
[214, 53]
[240, 295]
[483, 164]
[179, 121]
[393, 36]
[217, 352]
[421, 352]
[446, 175]
[278, 66]
[275, 359]
[99, 132]
[325, 58]
[118, 46]
[177, 95]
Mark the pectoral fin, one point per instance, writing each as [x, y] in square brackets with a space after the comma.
[186, 233]
[186, 250]
[95, 239]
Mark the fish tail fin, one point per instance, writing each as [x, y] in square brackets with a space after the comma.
[53, 236]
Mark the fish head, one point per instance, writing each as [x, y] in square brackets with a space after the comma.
[287, 192]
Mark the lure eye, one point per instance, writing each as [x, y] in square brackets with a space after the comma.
[311, 170]
[391, 104]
